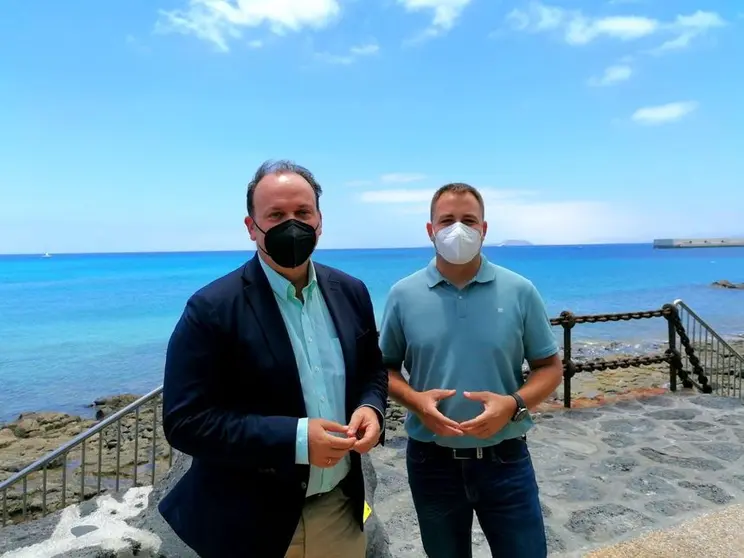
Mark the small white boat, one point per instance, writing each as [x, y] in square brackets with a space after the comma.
[46, 255]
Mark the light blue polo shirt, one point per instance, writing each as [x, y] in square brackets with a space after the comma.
[470, 339]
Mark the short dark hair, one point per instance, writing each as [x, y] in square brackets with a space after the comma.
[283, 166]
[457, 188]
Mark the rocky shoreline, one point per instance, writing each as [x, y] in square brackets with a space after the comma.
[33, 435]
[117, 447]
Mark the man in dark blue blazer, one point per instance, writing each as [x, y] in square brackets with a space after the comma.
[274, 384]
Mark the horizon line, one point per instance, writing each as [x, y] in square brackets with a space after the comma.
[237, 250]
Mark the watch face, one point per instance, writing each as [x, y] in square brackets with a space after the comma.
[521, 414]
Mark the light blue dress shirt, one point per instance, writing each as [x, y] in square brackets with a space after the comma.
[320, 363]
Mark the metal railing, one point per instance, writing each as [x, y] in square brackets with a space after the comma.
[723, 365]
[112, 461]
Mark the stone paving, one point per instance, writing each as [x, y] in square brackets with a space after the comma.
[605, 474]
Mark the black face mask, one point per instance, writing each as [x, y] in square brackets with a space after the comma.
[290, 244]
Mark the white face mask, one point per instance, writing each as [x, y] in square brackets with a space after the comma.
[458, 243]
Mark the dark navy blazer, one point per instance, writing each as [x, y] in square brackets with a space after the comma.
[231, 399]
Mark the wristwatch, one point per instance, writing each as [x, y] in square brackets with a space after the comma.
[522, 411]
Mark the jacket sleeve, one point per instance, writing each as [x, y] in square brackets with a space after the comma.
[374, 375]
[193, 421]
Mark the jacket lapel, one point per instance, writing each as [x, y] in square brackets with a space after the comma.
[338, 308]
[260, 297]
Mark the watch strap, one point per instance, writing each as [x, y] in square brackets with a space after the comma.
[521, 406]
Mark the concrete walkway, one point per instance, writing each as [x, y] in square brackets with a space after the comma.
[608, 474]
[718, 534]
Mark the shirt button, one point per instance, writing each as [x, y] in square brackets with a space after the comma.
[303, 486]
[310, 339]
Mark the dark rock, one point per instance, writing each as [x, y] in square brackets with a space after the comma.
[628, 426]
[555, 543]
[651, 485]
[664, 473]
[81, 530]
[726, 284]
[617, 440]
[722, 403]
[149, 522]
[659, 401]
[673, 414]
[737, 481]
[696, 425]
[730, 420]
[697, 463]
[620, 464]
[27, 534]
[709, 492]
[607, 521]
[725, 451]
[172, 547]
[672, 507]
[583, 415]
[572, 490]
[629, 405]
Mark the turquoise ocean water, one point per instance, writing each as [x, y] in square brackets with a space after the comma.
[77, 327]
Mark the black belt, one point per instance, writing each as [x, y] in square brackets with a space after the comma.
[488, 452]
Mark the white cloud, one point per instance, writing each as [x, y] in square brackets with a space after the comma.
[689, 28]
[220, 21]
[358, 183]
[516, 214]
[350, 57]
[402, 177]
[396, 196]
[612, 75]
[662, 114]
[365, 50]
[420, 195]
[446, 12]
[576, 28]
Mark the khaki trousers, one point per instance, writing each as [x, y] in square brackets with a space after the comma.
[327, 529]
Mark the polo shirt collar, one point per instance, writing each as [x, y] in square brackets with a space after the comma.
[486, 273]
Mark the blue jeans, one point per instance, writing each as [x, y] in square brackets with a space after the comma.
[500, 488]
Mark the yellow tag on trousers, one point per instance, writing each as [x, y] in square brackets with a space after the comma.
[367, 511]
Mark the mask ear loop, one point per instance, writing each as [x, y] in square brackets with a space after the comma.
[263, 233]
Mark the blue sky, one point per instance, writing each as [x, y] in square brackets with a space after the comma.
[135, 125]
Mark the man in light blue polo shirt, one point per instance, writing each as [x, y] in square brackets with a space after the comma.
[462, 328]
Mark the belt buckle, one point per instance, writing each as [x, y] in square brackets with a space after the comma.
[478, 454]
[456, 456]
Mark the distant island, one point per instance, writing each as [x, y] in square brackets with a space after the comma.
[514, 243]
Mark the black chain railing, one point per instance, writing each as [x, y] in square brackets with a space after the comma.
[567, 320]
